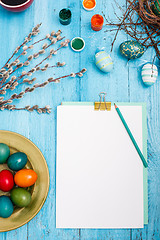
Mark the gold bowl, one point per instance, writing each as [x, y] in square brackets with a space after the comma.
[39, 191]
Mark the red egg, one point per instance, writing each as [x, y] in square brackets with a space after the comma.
[6, 180]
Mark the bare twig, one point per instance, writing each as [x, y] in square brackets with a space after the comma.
[139, 21]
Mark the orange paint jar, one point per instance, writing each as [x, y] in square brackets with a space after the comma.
[89, 4]
[97, 22]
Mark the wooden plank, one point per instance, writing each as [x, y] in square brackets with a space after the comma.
[11, 27]
[43, 128]
[149, 95]
[3, 236]
[114, 83]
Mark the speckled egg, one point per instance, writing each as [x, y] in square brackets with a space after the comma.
[131, 49]
[103, 61]
[156, 7]
[149, 74]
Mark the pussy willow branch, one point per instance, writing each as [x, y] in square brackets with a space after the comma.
[30, 71]
[32, 45]
[5, 73]
[36, 65]
[42, 51]
[10, 67]
[31, 59]
[34, 32]
[61, 38]
[28, 108]
[37, 85]
[47, 57]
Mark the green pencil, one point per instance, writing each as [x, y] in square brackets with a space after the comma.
[131, 136]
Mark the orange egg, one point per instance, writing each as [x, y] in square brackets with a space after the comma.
[25, 178]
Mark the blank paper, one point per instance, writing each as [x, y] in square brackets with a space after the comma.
[99, 175]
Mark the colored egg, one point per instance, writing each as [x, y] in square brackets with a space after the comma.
[6, 207]
[103, 61]
[25, 178]
[17, 161]
[6, 181]
[20, 197]
[149, 74]
[4, 153]
[131, 49]
[156, 7]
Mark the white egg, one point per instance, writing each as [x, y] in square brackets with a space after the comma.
[149, 74]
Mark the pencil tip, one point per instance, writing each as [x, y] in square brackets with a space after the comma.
[115, 105]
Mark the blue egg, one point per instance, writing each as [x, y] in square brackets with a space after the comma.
[131, 49]
[6, 207]
[17, 161]
[103, 61]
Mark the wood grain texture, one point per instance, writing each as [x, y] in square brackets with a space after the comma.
[122, 84]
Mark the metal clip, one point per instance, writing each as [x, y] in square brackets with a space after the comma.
[102, 105]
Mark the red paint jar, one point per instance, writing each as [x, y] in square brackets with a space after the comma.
[97, 22]
[17, 8]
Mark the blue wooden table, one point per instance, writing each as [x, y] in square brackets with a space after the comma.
[122, 84]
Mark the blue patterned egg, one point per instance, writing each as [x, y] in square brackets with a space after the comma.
[149, 74]
[103, 61]
[131, 49]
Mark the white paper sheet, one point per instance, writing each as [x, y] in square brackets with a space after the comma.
[99, 175]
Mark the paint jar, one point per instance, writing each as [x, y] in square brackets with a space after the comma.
[89, 5]
[97, 22]
[77, 44]
[65, 16]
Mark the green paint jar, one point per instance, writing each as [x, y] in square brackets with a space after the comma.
[65, 16]
[77, 44]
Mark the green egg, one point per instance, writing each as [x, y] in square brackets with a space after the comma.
[20, 197]
[4, 153]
